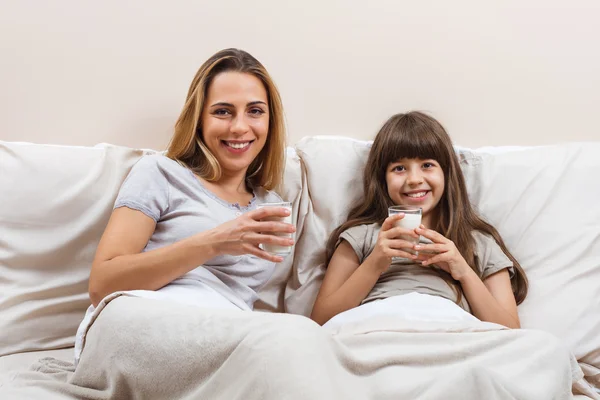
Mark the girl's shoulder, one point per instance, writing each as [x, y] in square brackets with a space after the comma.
[490, 255]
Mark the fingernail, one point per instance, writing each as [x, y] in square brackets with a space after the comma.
[417, 247]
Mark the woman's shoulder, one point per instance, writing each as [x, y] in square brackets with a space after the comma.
[159, 163]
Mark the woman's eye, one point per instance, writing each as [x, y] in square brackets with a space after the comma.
[256, 111]
[222, 111]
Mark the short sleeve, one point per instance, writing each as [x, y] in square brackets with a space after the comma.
[491, 257]
[360, 239]
[146, 188]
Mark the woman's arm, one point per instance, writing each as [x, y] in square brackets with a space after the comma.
[120, 264]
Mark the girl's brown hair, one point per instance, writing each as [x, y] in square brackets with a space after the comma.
[187, 146]
[417, 135]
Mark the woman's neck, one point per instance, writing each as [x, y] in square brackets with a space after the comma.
[232, 189]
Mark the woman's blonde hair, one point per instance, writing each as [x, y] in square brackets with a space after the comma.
[417, 135]
[187, 146]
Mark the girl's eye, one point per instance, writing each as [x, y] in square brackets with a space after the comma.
[221, 111]
[398, 168]
[427, 165]
[256, 111]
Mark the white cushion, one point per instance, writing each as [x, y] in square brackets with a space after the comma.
[544, 202]
[333, 174]
[55, 203]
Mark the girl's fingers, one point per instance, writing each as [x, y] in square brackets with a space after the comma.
[400, 244]
[433, 247]
[403, 254]
[431, 235]
[435, 259]
[391, 221]
[399, 231]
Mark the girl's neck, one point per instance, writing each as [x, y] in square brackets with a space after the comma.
[430, 219]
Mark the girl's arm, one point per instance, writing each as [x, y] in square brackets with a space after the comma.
[492, 300]
[347, 282]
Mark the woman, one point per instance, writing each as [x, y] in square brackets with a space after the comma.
[185, 226]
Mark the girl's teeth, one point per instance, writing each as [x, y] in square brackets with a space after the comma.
[420, 194]
[237, 145]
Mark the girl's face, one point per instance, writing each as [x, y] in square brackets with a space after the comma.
[235, 120]
[416, 182]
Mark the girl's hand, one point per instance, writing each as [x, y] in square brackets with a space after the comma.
[445, 254]
[243, 234]
[389, 243]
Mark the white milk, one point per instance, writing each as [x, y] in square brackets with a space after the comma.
[410, 221]
[274, 248]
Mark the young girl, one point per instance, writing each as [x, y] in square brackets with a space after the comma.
[462, 266]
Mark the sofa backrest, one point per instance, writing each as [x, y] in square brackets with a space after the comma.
[56, 200]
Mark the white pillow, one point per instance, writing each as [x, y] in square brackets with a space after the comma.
[544, 201]
[333, 168]
[272, 294]
[55, 203]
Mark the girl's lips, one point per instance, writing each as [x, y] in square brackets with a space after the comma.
[419, 199]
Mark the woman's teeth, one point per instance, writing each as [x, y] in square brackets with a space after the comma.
[417, 195]
[237, 145]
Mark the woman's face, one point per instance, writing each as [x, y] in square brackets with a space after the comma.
[235, 120]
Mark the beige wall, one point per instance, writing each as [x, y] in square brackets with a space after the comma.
[510, 72]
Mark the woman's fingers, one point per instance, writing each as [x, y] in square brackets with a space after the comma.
[260, 238]
[268, 212]
[260, 253]
[272, 226]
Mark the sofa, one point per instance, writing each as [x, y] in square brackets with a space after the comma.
[56, 200]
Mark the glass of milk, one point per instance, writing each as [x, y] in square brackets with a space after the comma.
[275, 248]
[411, 221]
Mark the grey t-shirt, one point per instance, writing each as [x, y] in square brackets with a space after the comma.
[405, 276]
[175, 198]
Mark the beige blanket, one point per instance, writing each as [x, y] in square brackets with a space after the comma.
[145, 349]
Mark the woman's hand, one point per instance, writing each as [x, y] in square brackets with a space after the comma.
[443, 253]
[392, 242]
[243, 234]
